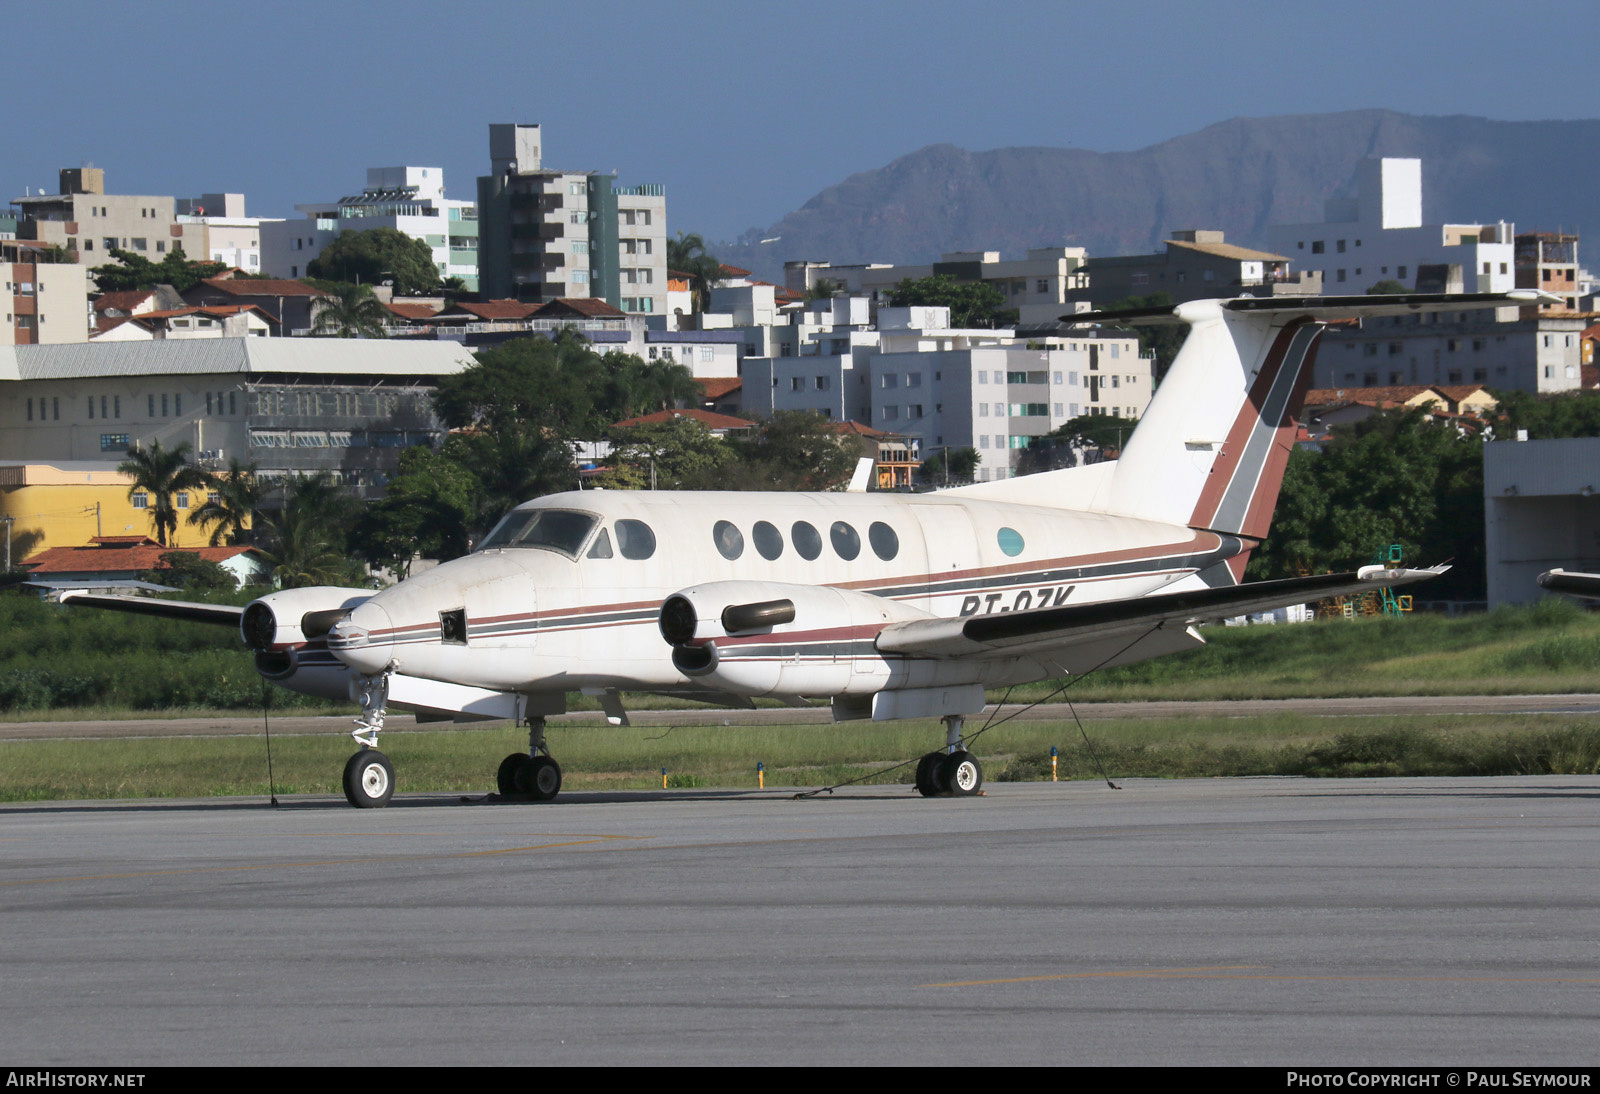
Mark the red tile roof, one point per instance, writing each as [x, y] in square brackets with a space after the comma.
[413, 311]
[492, 309]
[853, 426]
[733, 271]
[587, 306]
[716, 387]
[119, 554]
[122, 301]
[704, 417]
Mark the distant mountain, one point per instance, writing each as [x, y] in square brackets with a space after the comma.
[1238, 175]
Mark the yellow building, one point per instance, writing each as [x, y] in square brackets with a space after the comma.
[67, 503]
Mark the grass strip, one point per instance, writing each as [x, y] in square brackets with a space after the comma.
[608, 757]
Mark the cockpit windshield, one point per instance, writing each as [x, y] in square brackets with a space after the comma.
[552, 529]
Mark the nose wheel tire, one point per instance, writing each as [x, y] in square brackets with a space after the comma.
[539, 778]
[960, 775]
[928, 775]
[368, 779]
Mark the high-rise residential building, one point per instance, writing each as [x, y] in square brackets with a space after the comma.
[546, 234]
[408, 199]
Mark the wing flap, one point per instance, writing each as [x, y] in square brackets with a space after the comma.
[1053, 632]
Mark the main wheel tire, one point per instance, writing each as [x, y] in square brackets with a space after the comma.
[928, 775]
[539, 778]
[960, 774]
[506, 777]
[368, 779]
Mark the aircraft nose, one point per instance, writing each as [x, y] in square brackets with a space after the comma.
[364, 639]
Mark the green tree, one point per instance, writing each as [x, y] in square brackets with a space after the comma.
[1396, 477]
[378, 255]
[230, 512]
[511, 464]
[1095, 430]
[972, 304]
[134, 271]
[677, 454]
[352, 311]
[427, 511]
[191, 573]
[794, 450]
[950, 466]
[1546, 417]
[159, 473]
[1387, 287]
[305, 536]
[824, 288]
[687, 255]
[561, 384]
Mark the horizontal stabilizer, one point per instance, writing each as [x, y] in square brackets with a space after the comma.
[1571, 582]
[1048, 632]
[1325, 309]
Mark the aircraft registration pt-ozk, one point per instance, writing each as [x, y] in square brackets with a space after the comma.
[887, 605]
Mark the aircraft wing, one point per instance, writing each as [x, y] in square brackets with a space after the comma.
[1571, 582]
[1053, 632]
[225, 614]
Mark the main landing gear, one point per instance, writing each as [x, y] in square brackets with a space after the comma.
[534, 775]
[953, 773]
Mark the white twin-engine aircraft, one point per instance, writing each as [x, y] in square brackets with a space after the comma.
[888, 605]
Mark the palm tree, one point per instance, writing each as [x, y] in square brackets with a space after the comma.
[687, 255]
[352, 312]
[159, 473]
[306, 537]
[230, 504]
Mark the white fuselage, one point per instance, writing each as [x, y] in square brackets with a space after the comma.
[537, 619]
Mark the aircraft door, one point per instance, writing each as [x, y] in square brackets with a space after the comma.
[951, 550]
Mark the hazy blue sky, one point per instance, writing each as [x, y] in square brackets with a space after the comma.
[743, 110]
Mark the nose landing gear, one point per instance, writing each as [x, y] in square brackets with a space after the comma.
[368, 779]
[368, 775]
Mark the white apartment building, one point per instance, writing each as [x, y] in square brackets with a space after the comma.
[1379, 235]
[1540, 354]
[45, 303]
[230, 236]
[953, 388]
[408, 199]
[1038, 285]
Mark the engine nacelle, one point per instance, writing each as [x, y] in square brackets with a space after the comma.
[771, 638]
[288, 630]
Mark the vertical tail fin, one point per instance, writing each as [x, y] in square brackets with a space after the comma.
[1211, 449]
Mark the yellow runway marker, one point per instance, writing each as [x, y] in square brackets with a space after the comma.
[580, 842]
[1242, 972]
